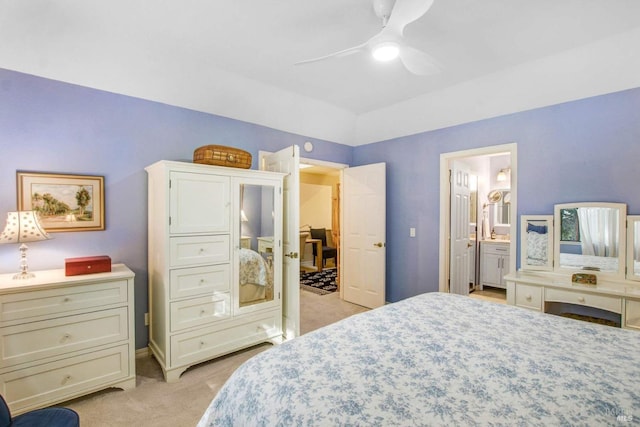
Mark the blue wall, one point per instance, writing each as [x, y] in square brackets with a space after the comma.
[586, 150]
[49, 126]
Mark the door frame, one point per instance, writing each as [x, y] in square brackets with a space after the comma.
[445, 209]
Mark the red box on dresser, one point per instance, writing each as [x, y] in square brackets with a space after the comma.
[87, 265]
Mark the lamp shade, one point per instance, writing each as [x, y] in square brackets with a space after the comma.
[23, 227]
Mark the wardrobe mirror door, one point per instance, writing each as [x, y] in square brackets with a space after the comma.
[256, 244]
[633, 247]
[590, 236]
[536, 238]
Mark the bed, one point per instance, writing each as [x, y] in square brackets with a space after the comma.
[256, 277]
[439, 359]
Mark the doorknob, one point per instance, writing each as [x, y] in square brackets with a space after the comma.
[469, 244]
[292, 255]
[379, 244]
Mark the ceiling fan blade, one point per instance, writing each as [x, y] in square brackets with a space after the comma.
[406, 11]
[418, 62]
[339, 54]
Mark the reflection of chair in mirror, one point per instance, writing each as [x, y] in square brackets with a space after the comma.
[328, 252]
[303, 242]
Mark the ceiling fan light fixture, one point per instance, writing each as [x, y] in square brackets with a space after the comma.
[384, 52]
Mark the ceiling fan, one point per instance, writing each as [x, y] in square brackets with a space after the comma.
[389, 43]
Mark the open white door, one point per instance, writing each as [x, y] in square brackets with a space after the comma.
[459, 244]
[363, 243]
[288, 161]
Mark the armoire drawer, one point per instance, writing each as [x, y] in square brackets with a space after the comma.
[36, 340]
[34, 386]
[200, 311]
[194, 281]
[603, 302]
[49, 302]
[191, 347]
[198, 250]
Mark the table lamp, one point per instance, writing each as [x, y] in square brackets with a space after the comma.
[23, 227]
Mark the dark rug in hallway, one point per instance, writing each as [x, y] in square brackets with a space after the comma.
[323, 282]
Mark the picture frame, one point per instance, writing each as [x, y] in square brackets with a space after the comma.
[65, 202]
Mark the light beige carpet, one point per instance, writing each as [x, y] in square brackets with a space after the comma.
[155, 403]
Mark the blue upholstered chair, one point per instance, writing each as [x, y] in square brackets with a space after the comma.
[48, 417]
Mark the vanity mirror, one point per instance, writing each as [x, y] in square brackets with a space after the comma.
[536, 234]
[590, 236]
[500, 207]
[633, 249]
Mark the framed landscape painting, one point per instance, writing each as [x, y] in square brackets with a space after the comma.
[64, 202]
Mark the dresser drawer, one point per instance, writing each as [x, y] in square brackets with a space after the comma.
[200, 311]
[528, 296]
[189, 282]
[603, 302]
[40, 384]
[36, 340]
[198, 250]
[191, 347]
[50, 302]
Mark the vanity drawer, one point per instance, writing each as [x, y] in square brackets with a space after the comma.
[200, 311]
[38, 385]
[528, 296]
[36, 340]
[50, 302]
[199, 345]
[493, 247]
[189, 282]
[603, 302]
[632, 313]
[198, 250]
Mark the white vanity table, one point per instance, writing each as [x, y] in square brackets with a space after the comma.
[581, 242]
[536, 290]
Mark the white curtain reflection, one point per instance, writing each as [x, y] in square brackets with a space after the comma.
[599, 231]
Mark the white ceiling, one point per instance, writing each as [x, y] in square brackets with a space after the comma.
[235, 58]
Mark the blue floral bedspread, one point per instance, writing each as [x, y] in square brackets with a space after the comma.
[440, 359]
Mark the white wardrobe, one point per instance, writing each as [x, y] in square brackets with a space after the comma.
[215, 286]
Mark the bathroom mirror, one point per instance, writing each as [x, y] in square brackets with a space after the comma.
[633, 247]
[536, 238]
[590, 236]
[255, 248]
[500, 207]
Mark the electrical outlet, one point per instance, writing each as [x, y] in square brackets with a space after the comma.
[412, 232]
[146, 319]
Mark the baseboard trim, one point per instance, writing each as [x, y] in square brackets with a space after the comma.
[143, 352]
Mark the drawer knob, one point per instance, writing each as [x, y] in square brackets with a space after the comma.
[66, 337]
[203, 312]
[66, 379]
[66, 299]
[580, 299]
[528, 298]
[202, 343]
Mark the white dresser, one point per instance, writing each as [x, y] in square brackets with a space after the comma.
[63, 337]
[202, 304]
